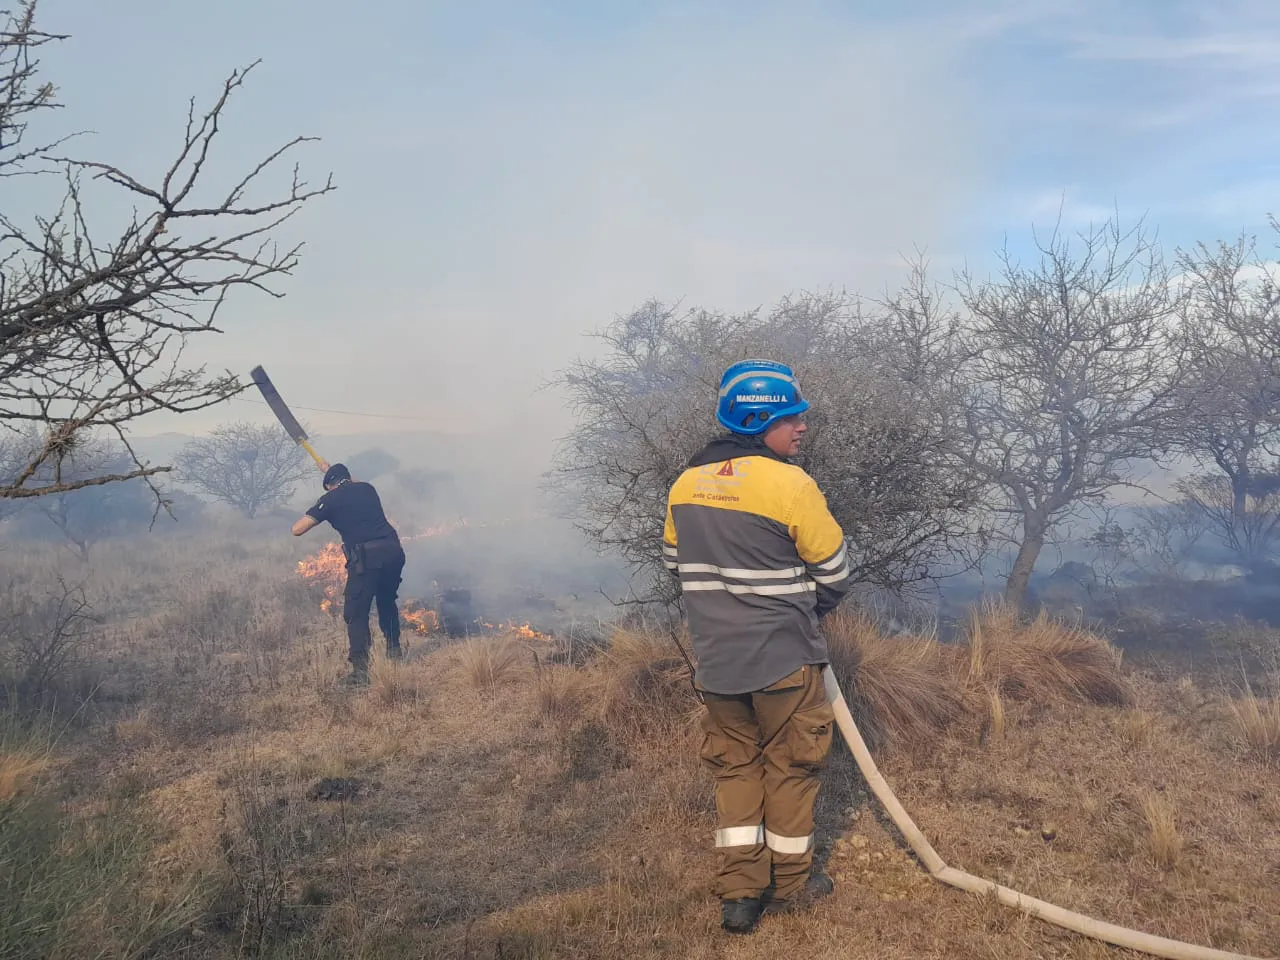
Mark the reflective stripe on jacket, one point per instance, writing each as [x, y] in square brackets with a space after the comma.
[760, 560]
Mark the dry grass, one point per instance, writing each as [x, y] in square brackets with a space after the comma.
[1043, 660]
[997, 715]
[900, 690]
[1164, 841]
[909, 690]
[567, 815]
[643, 689]
[1257, 724]
[73, 880]
[488, 664]
[563, 693]
[1136, 726]
[392, 683]
[18, 769]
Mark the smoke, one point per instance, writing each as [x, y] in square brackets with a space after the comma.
[371, 464]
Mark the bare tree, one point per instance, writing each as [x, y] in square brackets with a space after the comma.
[12, 463]
[83, 516]
[1243, 517]
[94, 322]
[1069, 378]
[1165, 539]
[1232, 393]
[875, 444]
[252, 468]
[42, 641]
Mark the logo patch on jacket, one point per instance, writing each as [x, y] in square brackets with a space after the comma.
[717, 482]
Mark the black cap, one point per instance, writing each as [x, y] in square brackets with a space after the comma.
[336, 474]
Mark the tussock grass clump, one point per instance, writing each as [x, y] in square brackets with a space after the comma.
[997, 714]
[488, 664]
[394, 683]
[1136, 726]
[1164, 841]
[563, 693]
[1043, 659]
[580, 644]
[643, 685]
[1257, 724]
[631, 702]
[900, 689]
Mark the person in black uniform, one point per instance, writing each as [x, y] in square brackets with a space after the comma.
[375, 562]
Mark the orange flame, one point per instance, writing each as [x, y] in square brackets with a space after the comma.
[522, 630]
[421, 620]
[328, 568]
[526, 632]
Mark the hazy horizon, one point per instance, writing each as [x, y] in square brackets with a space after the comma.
[511, 179]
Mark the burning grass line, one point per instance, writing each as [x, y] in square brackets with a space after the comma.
[328, 569]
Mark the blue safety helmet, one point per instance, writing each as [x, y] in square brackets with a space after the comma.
[755, 393]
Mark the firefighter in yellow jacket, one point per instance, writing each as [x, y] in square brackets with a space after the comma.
[760, 561]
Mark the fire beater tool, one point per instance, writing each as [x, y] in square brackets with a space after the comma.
[284, 414]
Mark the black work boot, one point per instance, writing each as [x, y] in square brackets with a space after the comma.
[818, 885]
[395, 653]
[357, 679]
[740, 916]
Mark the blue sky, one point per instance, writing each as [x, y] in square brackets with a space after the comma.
[514, 175]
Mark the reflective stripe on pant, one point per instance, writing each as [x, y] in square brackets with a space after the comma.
[765, 750]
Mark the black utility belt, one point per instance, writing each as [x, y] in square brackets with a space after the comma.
[369, 543]
[354, 550]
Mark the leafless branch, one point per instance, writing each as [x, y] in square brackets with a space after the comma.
[878, 441]
[1068, 369]
[1232, 391]
[94, 322]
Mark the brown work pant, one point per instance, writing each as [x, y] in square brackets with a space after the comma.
[765, 750]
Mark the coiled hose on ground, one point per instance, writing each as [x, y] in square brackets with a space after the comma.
[1068, 919]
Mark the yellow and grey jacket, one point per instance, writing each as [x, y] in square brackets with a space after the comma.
[760, 560]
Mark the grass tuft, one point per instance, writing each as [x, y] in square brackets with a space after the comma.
[1257, 724]
[900, 690]
[1137, 726]
[488, 664]
[1043, 659]
[563, 693]
[1164, 841]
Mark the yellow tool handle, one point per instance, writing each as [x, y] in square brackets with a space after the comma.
[314, 456]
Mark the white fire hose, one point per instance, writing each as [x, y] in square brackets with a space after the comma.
[1069, 919]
